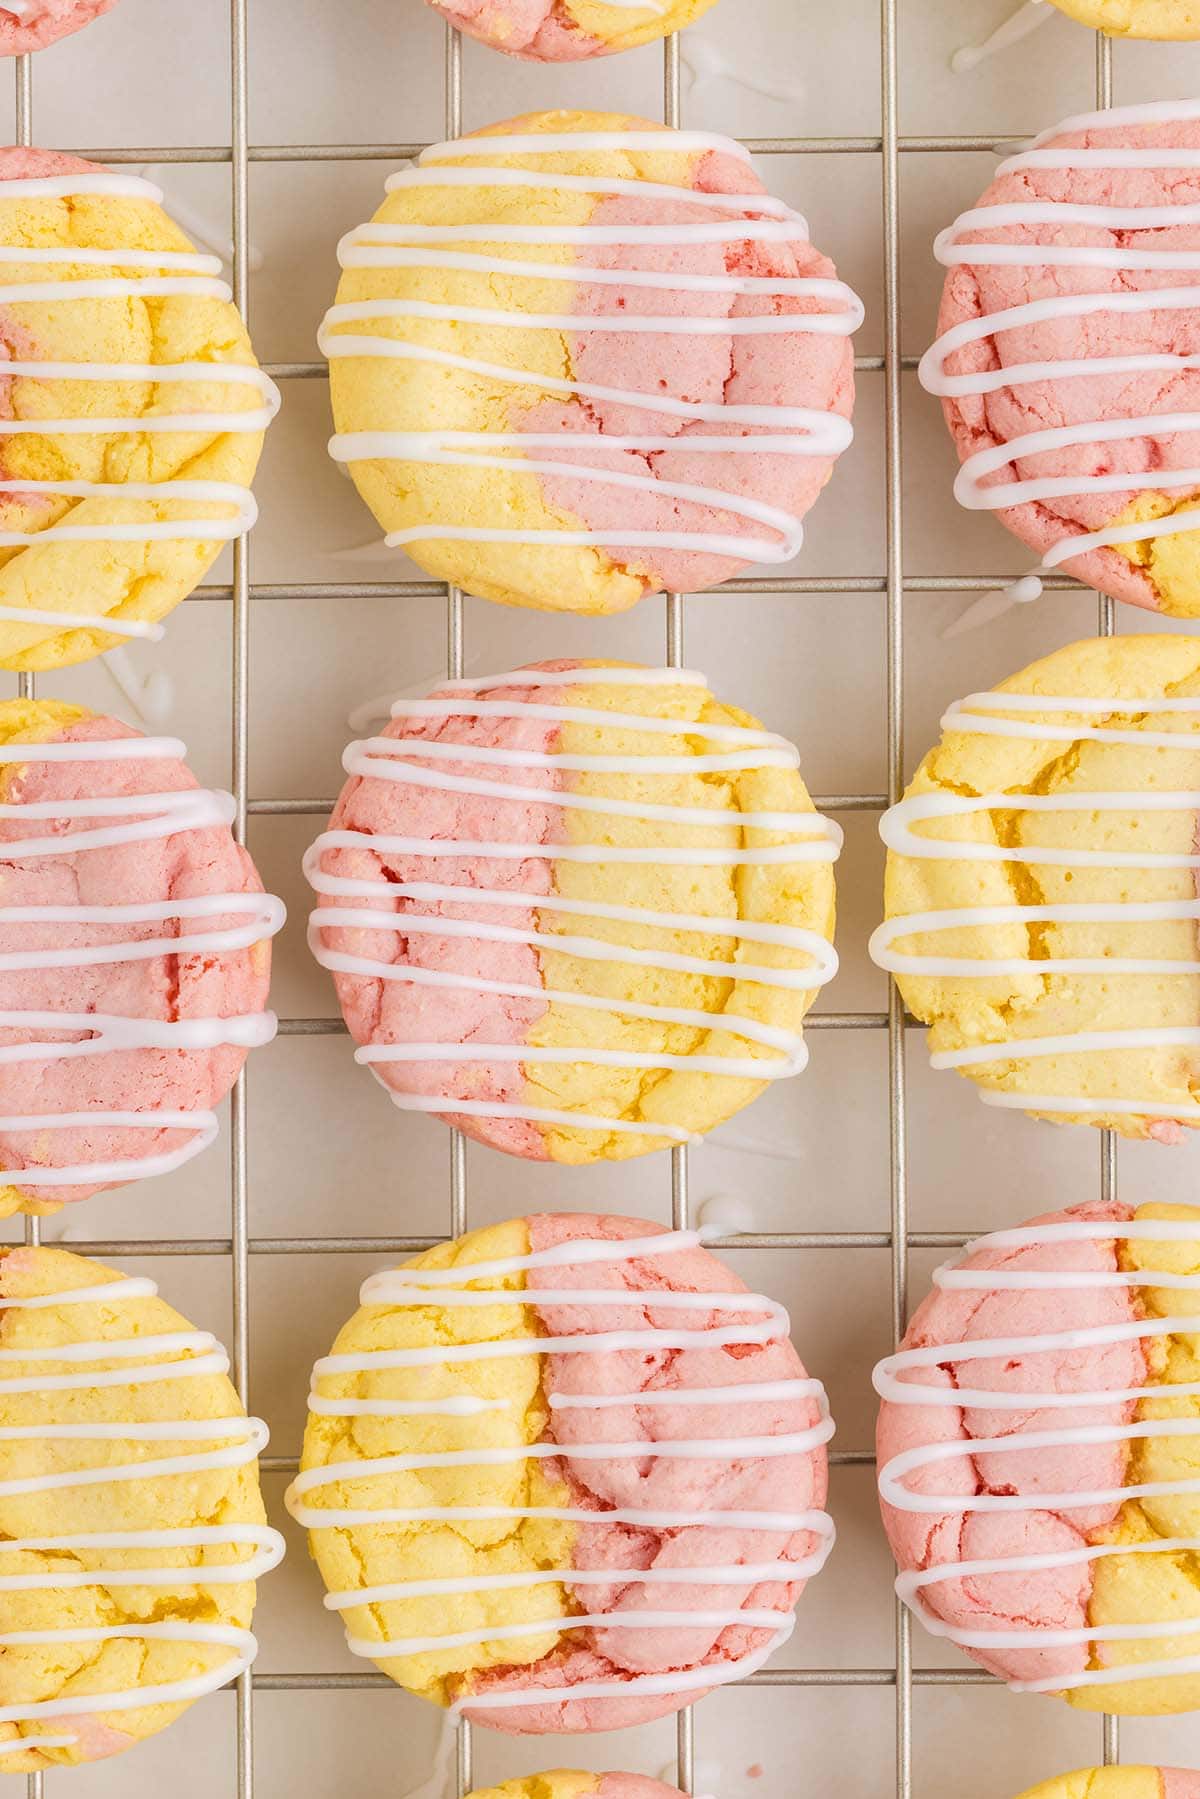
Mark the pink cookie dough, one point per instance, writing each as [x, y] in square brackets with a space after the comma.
[978, 422]
[32, 24]
[1053, 1599]
[551, 31]
[1180, 1783]
[788, 1483]
[744, 1472]
[183, 864]
[636, 1786]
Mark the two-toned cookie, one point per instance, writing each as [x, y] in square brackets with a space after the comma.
[1039, 1457]
[132, 1528]
[579, 910]
[568, 30]
[579, 358]
[1041, 892]
[565, 1473]
[132, 411]
[1069, 357]
[134, 955]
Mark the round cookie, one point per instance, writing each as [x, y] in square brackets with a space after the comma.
[1039, 1457]
[132, 1528]
[1175, 20]
[1041, 889]
[32, 24]
[579, 910]
[569, 30]
[1120, 1783]
[562, 1783]
[112, 327]
[134, 955]
[579, 358]
[1069, 356]
[578, 1505]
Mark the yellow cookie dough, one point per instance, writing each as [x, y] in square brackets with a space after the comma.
[1172, 19]
[1118, 1783]
[137, 579]
[967, 1014]
[42, 1387]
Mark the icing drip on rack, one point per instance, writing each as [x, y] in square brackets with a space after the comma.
[761, 429]
[896, 1478]
[973, 715]
[415, 762]
[136, 818]
[1172, 277]
[427, 1287]
[208, 511]
[234, 1442]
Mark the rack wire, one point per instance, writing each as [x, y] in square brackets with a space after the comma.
[890, 145]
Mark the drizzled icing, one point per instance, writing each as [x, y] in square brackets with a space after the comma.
[895, 1476]
[147, 275]
[408, 760]
[137, 818]
[425, 1287]
[973, 715]
[236, 1441]
[975, 486]
[767, 429]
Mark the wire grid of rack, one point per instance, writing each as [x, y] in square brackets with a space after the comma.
[889, 144]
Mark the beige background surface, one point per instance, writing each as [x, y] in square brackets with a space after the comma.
[326, 1151]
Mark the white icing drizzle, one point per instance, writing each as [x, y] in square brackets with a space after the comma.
[1027, 18]
[972, 716]
[973, 485]
[177, 1355]
[193, 501]
[402, 760]
[421, 1287]
[150, 816]
[895, 1491]
[798, 431]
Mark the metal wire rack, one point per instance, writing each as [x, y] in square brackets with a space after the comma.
[893, 582]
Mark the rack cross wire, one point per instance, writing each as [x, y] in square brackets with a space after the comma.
[889, 145]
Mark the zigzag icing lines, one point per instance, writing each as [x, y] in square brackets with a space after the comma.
[900, 832]
[767, 429]
[897, 1476]
[421, 1287]
[209, 1444]
[416, 762]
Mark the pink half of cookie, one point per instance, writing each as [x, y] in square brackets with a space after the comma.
[535, 30]
[1053, 1598]
[665, 1485]
[979, 422]
[32, 24]
[181, 865]
[448, 1000]
[710, 367]
[1180, 1783]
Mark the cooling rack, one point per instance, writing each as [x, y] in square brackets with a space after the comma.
[891, 582]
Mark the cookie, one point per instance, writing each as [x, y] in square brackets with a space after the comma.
[1120, 1783]
[564, 1474]
[561, 1783]
[134, 955]
[568, 30]
[1041, 888]
[1039, 1457]
[579, 910]
[132, 1528]
[1175, 20]
[1069, 356]
[32, 24]
[131, 411]
[580, 358]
